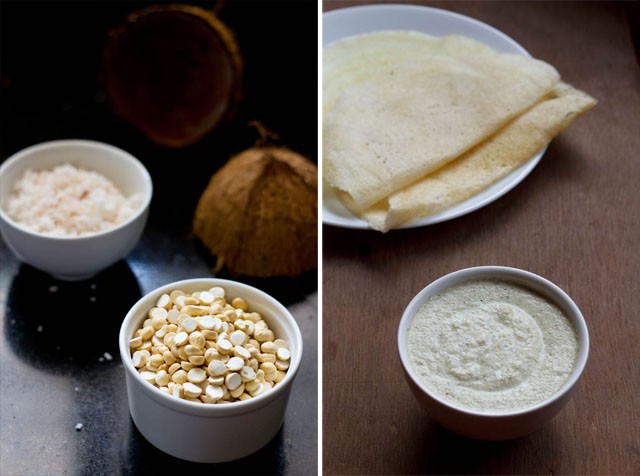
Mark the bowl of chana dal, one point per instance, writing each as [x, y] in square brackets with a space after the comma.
[209, 366]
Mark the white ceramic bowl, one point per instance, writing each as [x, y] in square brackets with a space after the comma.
[75, 258]
[210, 433]
[494, 425]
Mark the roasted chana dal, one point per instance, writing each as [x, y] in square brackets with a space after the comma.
[202, 348]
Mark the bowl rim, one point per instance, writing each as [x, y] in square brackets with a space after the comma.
[203, 409]
[80, 143]
[533, 282]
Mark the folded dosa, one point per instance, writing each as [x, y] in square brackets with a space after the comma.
[418, 109]
[484, 164]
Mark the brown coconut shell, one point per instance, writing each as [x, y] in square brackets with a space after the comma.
[174, 72]
[259, 213]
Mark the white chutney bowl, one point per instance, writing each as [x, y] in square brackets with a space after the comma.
[205, 432]
[494, 425]
[76, 258]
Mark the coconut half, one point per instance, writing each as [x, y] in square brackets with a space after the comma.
[174, 72]
[259, 213]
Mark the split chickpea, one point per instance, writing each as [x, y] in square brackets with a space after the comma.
[200, 347]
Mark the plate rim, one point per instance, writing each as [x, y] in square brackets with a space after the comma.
[506, 184]
[433, 10]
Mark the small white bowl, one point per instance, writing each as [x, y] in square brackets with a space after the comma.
[494, 425]
[210, 433]
[75, 258]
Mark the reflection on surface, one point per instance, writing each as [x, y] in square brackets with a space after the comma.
[57, 325]
[60, 367]
[139, 457]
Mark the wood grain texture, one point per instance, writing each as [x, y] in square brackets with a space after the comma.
[574, 220]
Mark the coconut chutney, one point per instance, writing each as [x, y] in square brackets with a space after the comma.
[491, 346]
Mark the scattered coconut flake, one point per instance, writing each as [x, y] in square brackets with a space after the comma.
[108, 356]
[92, 299]
[68, 201]
[39, 328]
[79, 426]
[53, 289]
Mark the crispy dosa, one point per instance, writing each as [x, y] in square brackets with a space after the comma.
[483, 165]
[419, 109]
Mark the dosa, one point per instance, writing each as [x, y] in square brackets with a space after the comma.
[483, 165]
[419, 109]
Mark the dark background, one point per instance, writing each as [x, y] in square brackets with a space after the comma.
[52, 80]
[51, 375]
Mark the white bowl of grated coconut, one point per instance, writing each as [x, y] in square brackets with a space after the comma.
[493, 352]
[72, 208]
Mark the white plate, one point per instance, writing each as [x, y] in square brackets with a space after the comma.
[345, 22]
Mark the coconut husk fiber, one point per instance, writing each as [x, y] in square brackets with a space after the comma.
[174, 72]
[259, 213]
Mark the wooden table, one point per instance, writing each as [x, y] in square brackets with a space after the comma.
[574, 220]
